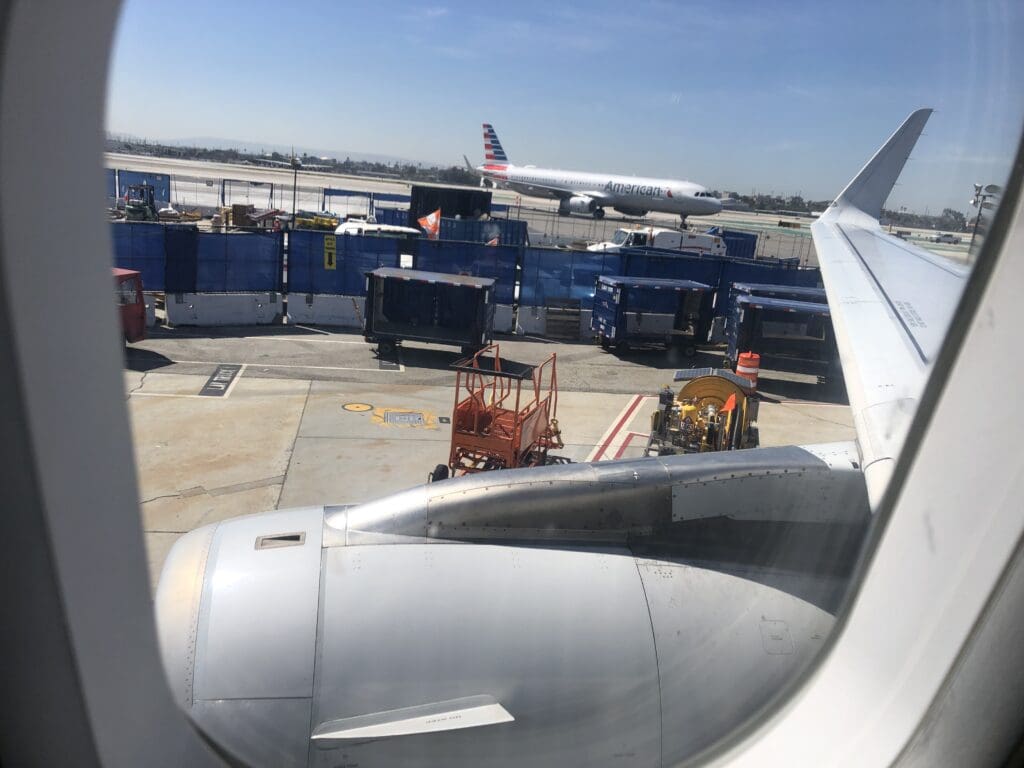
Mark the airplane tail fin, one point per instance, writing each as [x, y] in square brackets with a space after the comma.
[493, 152]
[870, 188]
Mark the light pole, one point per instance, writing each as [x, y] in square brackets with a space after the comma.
[296, 164]
[981, 202]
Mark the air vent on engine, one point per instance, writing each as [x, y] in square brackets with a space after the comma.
[278, 540]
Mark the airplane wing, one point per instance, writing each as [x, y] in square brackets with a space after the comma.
[564, 194]
[891, 303]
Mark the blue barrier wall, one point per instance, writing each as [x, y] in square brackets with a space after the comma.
[508, 231]
[180, 252]
[111, 182]
[308, 270]
[179, 259]
[675, 267]
[396, 217]
[161, 183]
[552, 273]
[140, 246]
[244, 263]
[498, 262]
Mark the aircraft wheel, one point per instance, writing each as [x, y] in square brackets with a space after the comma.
[599, 213]
[440, 473]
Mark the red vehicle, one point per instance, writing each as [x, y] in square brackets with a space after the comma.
[128, 290]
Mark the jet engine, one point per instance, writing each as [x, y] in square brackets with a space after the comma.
[631, 211]
[577, 204]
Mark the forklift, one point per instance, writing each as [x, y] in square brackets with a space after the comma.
[140, 203]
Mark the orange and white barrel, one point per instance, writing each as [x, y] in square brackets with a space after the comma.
[748, 366]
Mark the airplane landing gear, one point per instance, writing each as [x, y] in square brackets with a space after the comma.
[599, 213]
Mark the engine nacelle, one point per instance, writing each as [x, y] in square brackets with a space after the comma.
[577, 204]
[630, 211]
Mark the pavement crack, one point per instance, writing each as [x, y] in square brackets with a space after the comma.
[291, 452]
[136, 389]
[222, 490]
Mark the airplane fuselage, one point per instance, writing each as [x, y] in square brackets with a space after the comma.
[632, 194]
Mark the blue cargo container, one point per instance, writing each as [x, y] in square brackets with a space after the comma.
[784, 332]
[644, 310]
[412, 305]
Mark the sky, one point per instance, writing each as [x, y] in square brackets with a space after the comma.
[781, 97]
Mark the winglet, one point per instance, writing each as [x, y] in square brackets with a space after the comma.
[469, 166]
[870, 188]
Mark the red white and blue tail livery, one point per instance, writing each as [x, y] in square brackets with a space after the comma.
[493, 152]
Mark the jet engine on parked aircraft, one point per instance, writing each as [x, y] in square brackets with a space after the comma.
[579, 204]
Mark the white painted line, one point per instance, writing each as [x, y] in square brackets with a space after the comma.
[279, 365]
[167, 394]
[297, 338]
[234, 381]
[314, 330]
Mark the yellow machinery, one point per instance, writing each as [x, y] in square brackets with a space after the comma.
[324, 220]
[714, 411]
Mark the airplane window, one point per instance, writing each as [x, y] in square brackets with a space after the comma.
[524, 493]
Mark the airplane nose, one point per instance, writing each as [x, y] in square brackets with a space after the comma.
[177, 609]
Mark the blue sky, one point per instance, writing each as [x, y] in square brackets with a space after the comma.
[767, 96]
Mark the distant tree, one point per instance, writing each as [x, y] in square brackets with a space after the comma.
[951, 219]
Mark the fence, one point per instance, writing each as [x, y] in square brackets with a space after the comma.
[315, 268]
[180, 259]
[498, 262]
[552, 273]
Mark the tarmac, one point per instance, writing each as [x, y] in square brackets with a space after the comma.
[313, 417]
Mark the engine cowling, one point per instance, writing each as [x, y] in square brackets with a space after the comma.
[631, 211]
[578, 204]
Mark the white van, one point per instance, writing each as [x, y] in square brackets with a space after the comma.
[657, 237]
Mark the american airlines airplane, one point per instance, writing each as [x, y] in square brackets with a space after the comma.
[581, 192]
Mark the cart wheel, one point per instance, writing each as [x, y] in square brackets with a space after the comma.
[605, 344]
[689, 350]
[385, 347]
[440, 473]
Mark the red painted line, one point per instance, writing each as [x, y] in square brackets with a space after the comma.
[637, 399]
[626, 442]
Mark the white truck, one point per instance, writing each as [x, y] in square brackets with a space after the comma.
[657, 237]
